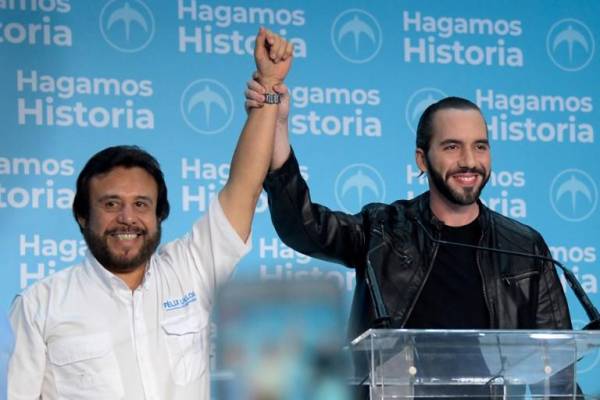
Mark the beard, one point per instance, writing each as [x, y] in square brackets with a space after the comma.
[98, 245]
[464, 197]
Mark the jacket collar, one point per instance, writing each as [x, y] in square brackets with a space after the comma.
[426, 215]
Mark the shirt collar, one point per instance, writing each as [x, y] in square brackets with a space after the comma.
[110, 280]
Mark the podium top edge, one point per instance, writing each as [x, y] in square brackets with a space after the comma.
[533, 334]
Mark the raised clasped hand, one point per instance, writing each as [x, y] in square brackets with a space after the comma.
[273, 57]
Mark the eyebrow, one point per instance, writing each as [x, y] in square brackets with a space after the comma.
[450, 141]
[147, 198]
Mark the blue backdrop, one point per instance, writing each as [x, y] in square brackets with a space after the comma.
[169, 76]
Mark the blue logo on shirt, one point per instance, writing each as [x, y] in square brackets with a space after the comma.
[173, 304]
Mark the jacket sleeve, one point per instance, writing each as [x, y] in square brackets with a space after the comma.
[310, 228]
[552, 308]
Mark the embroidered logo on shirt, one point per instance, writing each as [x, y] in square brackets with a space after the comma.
[184, 301]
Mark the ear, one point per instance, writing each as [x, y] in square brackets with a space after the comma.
[82, 222]
[420, 159]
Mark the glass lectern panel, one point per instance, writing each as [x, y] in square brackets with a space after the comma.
[451, 364]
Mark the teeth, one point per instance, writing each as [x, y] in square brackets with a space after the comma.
[470, 178]
[126, 236]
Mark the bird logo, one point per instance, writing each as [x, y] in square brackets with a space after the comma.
[207, 98]
[573, 187]
[356, 27]
[207, 106]
[128, 15]
[570, 45]
[358, 184]
[573, 195]
[356, 36]
[571, 37]
[127, 26]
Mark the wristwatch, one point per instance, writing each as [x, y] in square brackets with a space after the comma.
[272, 98]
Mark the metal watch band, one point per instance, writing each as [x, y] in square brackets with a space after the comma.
[272, 98]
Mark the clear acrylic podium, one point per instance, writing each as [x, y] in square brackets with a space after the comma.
[414, 364]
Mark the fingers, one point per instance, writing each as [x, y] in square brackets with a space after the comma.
[254, 85]
[270, 36]
[289, 51]
[279, 49]
[254, 95]
[273, 56]
[250, 104]
[259, 48]
[275, 44]
[281, 89]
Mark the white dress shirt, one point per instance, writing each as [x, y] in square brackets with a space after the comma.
[83, 334]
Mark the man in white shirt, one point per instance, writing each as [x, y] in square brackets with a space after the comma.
[129, 322]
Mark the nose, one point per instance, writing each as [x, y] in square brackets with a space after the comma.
[467, 159]
[126, 215]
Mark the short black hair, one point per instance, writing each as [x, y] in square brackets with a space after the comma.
[425, 127]
[119, 156]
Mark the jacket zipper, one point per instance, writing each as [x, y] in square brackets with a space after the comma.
[389, 242]
[483, 283]
[508, 279]
[412, 306]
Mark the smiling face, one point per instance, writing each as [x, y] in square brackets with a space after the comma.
[122, 230]
[458, 161]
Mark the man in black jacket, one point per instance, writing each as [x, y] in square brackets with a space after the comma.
[424, 284]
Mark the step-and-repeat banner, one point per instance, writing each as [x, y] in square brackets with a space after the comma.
[77, 76]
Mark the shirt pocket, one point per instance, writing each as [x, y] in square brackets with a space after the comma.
[186, 337]
[85, 367]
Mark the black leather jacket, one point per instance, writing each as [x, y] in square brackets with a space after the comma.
[520, 293]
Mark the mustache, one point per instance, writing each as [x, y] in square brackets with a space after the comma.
[474, 170]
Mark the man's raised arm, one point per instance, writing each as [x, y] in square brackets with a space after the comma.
[252, 156]
[307, 227]
[255, 99]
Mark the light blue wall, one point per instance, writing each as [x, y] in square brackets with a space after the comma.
[78, 76]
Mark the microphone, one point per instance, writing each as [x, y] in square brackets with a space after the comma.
[382, 317]
[572, 281]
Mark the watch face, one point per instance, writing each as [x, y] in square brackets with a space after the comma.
[272, 98]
